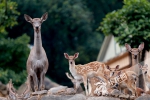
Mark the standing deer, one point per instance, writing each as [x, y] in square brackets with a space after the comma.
[146, 74]
[135, 60]
[123, 79]
[37, 63]
[84, 72]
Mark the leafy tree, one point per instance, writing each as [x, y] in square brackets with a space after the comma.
[130, 24]
[13, 52]
[7, 8]
[100, 8]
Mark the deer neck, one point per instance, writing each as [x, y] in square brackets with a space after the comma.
[135, 60]
[37, 42]
[73, 70]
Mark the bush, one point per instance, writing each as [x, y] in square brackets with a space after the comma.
[13, 56]
[129, 24]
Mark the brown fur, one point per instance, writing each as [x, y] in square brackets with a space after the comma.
[37, 63]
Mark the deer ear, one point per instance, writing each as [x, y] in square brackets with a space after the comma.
[119, 72]
[141, 46]
[117, 67]
[76, 55]
[28, 18]
[128, 47]
[44, 17]
[66, 55]
[107, 67]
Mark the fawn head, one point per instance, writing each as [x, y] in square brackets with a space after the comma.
[36, 22]
[114, 73]
[144, 68]
[112, 70]
[71, 58]
[135, 51]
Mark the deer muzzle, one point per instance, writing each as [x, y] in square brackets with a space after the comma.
[135, 56]
[37, 29]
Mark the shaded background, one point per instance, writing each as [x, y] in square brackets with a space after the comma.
[70, 27]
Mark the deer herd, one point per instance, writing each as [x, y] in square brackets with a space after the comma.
[97, 77]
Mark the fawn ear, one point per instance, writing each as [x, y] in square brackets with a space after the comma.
[128, 47]
[141, 46]
[66, 55]
[76, 55]
[28, 18]
[119, 72]
[117, 67]
[107, 67]
[44, 17]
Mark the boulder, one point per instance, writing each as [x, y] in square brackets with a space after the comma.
[145, 97]
[48, 84]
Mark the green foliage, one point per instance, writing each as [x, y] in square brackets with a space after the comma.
[100, 8]
[17, 78]
[13, 56]
[7, 8]
[13, 52]
[129, 24]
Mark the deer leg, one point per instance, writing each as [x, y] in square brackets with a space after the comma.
[85, 85]
[76, 85]
[89, 87]
[35, 80]
[42, 86]
[132, 89]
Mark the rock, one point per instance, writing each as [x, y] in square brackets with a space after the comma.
[48, 84]
[70, 91]
[132, 97]
[39, 92]
[145, 97]
[124, 96]
[57, 90]
[56, 97]
[2, 98]
[102, 98]
[78, 97]
[3, 90]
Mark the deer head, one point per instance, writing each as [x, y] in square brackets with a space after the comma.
[71, 58]
[144, 68]
[113, 73]
[135, 51]
[36, 22]
[112, 70]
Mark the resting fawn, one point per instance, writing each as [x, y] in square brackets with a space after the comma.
[123, 79]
